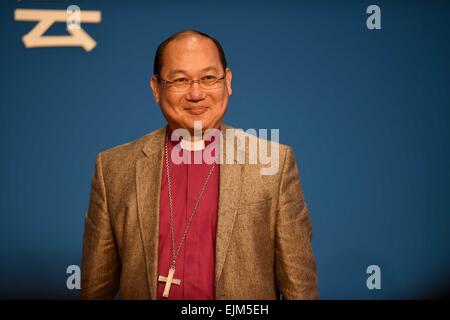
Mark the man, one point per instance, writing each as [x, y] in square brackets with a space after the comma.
[160, 229]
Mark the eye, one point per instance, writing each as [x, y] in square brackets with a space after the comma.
[209, 79]
[180, 80]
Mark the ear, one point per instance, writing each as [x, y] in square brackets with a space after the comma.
[228, 77]
[154, 84]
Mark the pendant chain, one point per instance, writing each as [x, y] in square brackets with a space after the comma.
[194, 210]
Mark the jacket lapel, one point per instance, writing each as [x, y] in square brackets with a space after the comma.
[148, 189]
[229, 192]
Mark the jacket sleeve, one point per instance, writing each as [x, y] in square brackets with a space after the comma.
[295, 265]
[100, 271]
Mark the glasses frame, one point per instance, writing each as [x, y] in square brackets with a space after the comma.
[191, 81]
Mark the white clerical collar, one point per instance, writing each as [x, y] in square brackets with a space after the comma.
[192, 146]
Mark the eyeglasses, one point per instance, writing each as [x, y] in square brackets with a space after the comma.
[183, 84]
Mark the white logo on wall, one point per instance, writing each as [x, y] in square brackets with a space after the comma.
[374, 20]
[374, 280]
[73, 17]
[74, 280]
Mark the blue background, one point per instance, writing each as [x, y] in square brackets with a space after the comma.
[366, 112]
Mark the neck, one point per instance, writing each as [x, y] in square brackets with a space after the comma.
[195, 138]
[196, 134]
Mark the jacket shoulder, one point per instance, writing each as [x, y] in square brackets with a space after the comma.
[129, 151]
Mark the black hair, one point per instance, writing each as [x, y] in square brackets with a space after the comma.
[157, 65]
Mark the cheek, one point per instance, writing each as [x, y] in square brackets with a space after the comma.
[171, 103]
[223, 99]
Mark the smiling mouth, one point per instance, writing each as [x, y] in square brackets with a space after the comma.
[196, 110]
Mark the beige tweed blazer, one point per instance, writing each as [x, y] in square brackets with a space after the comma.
[263, 244]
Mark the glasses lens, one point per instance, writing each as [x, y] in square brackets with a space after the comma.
[183, 84]
[180, 84]
[208, 81]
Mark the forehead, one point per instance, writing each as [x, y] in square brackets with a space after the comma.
[191, 53]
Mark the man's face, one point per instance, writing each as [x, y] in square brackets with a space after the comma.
[192, 57]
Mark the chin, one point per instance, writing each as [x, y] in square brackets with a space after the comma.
[206, 123]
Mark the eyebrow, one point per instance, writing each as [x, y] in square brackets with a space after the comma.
[173, 72]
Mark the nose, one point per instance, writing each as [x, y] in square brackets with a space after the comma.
[195, 92]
